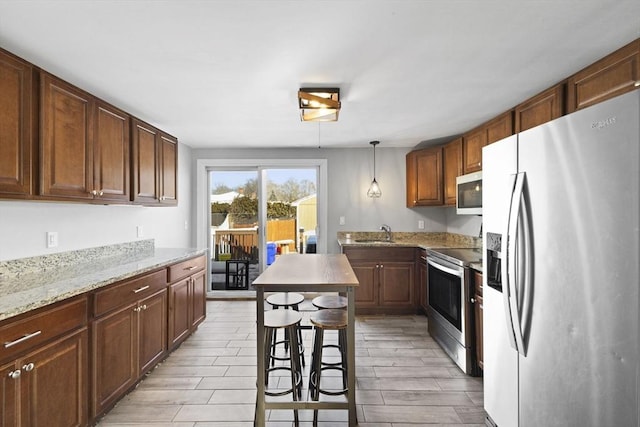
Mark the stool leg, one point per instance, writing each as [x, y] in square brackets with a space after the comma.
[342, 343]
[268, 348]
[294, 359]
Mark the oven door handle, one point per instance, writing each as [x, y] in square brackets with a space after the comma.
[455, 272]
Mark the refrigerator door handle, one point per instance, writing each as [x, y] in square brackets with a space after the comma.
[506, 269]
[513, 282]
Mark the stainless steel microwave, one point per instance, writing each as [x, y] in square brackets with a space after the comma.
[469, 194]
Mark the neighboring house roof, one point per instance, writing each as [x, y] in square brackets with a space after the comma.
[225, 197]
[303, 199]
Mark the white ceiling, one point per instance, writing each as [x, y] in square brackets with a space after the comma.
[226, 73]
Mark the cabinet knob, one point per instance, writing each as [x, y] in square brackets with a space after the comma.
[144, 307]
[28, 367]
[473, 300]
[94, 193]
[14, 374]
[100, 193]
[137, 309]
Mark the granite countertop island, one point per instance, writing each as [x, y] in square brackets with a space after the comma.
[30, 283]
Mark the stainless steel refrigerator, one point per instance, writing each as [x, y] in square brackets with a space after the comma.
[560, 244]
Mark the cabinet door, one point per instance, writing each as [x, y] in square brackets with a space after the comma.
[66, 168]
[199, 299]
[146, 162]
[540, 109]
[366, 295]
[479, 331]
[452, 159]
[611, 76]
[16, 126]
[423, 276]
[152, 334]
[54, 383]
[111, 154]
[472, 150]
[114, 356]
[397, 284]
[168, 170]
[9, 392]
[424, 177]
[500, 127]
[179, 315]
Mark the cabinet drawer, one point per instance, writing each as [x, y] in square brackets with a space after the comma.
[20, 335]
[185, 268]
[126, 292]
[379, 254]
[477, 280]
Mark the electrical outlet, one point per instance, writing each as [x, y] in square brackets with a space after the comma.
[421, 225]
[186, 225]
[342, 221]
[140, 231]
[52, 239]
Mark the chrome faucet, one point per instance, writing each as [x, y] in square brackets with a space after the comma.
[387, 231]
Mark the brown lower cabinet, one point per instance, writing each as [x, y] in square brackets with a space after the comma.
[478, 309]
[386, 277]
[44, 367]
[423, 275]
[187, 296]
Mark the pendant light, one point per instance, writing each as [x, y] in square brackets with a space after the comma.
[374, 189]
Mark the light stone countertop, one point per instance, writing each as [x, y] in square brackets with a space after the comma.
[426, 240]
[31, 283]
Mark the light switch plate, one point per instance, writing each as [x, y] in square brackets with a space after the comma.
[52, 239]
[139, 231]
[342, 220]
[421, 225]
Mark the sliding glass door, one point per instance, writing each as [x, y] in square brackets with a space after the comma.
[260, 213]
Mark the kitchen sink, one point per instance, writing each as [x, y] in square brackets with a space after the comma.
[373, 241]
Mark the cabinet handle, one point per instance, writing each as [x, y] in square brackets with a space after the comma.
[19, 340]
[14, 374]
[193, 267]
[28, 367]
[135, 291]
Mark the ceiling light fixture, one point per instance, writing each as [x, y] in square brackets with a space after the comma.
[374, 189]
[319, 104]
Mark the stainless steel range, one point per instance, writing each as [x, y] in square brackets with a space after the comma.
[450, 310]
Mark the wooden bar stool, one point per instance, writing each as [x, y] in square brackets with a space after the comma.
[326, 302]
[328, 319]
[288, 320]
[288, 300]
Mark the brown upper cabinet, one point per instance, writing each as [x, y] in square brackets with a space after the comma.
[611, 76]
[155, 165]
[66, 147]
[17, 126]
[485, 134]
[540, 109]
[424, 177]
[84, 145]
[452, 159]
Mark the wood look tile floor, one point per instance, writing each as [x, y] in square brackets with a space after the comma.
[403, 379]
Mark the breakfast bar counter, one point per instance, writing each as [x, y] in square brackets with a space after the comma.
[307, 273]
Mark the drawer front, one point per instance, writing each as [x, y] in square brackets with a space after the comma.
[43, 325]
[477, 280]
[186, 268]
[379, 253]
[128, 291]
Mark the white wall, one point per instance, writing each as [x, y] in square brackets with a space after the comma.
[350, 171]
[23, 224]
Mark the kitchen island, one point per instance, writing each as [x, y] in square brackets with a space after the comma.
[307, 273]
